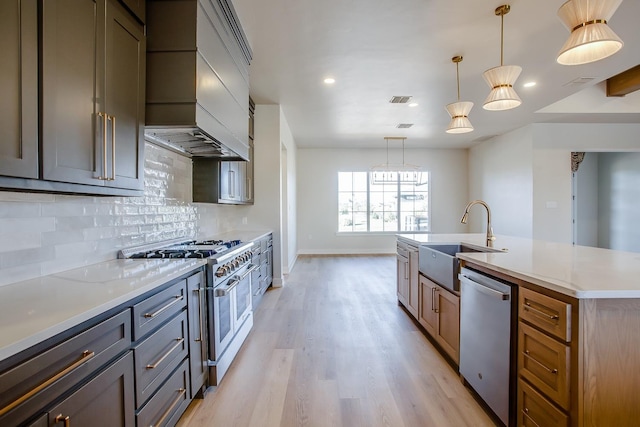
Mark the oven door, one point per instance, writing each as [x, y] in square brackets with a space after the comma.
[221, 318]
[243, 297]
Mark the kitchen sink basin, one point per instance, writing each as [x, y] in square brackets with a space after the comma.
[438, 262]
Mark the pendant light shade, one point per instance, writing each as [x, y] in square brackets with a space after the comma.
[501, 79]
[459, 111]
[459, 121]
[591, 39]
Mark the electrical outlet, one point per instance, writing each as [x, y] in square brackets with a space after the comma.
[244, 220]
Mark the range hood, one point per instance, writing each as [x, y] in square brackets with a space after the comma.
[197, 100]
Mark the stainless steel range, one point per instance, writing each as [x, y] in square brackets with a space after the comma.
[228, 292]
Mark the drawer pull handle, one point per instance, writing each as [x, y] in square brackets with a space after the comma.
[528, 355]
[528, 307]
[168, 412]
[86, 355]
[164, 356]
[66, 419]
[525, 412]
[177, 299]
[251, 269]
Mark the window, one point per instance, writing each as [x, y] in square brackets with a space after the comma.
[388, 206]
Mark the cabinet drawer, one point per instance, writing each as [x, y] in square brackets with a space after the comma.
[544, 362]
[536, 411]
[546, 313]
[166, 407]
[155, 310]
[158, 355]
[27, 387]
[106, 400]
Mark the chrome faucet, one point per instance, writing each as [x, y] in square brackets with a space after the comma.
[465, 217]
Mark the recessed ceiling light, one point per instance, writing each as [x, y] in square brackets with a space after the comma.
[529, 84]
[413, 104]
[329, 80]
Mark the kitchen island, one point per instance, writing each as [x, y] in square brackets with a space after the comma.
[578, 322]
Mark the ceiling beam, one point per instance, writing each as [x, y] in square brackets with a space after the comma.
[624, 83]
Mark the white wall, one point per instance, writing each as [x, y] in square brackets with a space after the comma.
[619, 201]
[271, 134]
[289, 178]
[537, 158]
[586, 193]
[501, 174]
[318, 196]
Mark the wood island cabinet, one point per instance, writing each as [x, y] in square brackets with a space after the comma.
[408, 277]
[439, 314]
[577, 362]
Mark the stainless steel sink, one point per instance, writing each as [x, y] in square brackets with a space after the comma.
[438, 262]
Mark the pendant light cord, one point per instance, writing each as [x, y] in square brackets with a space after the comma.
[458, 79]
[501, 38]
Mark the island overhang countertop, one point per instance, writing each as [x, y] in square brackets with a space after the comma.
[582, 272]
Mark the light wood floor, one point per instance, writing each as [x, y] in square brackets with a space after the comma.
[333, 348]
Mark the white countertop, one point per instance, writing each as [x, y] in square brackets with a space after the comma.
[578, 271]
[35, 310]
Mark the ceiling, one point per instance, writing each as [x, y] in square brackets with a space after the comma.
[376, 49]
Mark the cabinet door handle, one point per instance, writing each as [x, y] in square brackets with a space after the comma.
[177, 299]
[66, 419]
[528, 355]
[168, 412]
[525, 412]
[178, 343]
[435, 300]
[199, 292]
[528, 307]
[86, 355]
[113, 148]
[105, 117]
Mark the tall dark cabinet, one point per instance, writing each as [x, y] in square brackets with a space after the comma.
[73, 90]
[19, 88]
[92, 94]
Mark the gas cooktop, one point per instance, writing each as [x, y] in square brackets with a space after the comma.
[182, 249]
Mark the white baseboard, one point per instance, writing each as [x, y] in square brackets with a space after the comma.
[374, 251]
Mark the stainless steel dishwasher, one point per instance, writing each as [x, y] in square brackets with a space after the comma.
[487, 341]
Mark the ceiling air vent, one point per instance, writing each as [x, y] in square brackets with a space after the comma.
[404, 125]
[400, 99]
[579, 81]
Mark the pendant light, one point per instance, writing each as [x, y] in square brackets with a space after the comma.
[591, 39]
[501, 79]
[459, 111]
[388, 173]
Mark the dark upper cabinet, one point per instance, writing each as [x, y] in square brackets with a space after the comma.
[19, 88]
[92, 74]
[137, 7]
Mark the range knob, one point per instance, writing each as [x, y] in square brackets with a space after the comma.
[221, 271]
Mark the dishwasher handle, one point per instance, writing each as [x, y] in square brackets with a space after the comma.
[481, 287]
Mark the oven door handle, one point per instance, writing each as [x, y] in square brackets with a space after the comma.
[234, 282]
[252, 268]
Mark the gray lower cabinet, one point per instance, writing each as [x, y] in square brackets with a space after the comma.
[142, 365]
[28, 388]
[196, 308]
[106, 400]
[262, 277]
[19, 88]
[93, 68]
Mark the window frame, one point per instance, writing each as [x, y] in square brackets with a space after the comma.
[398, 210]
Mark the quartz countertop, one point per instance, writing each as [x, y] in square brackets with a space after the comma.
[35, 310]
[579, 271]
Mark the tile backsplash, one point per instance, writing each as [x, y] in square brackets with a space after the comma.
[42, 234]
